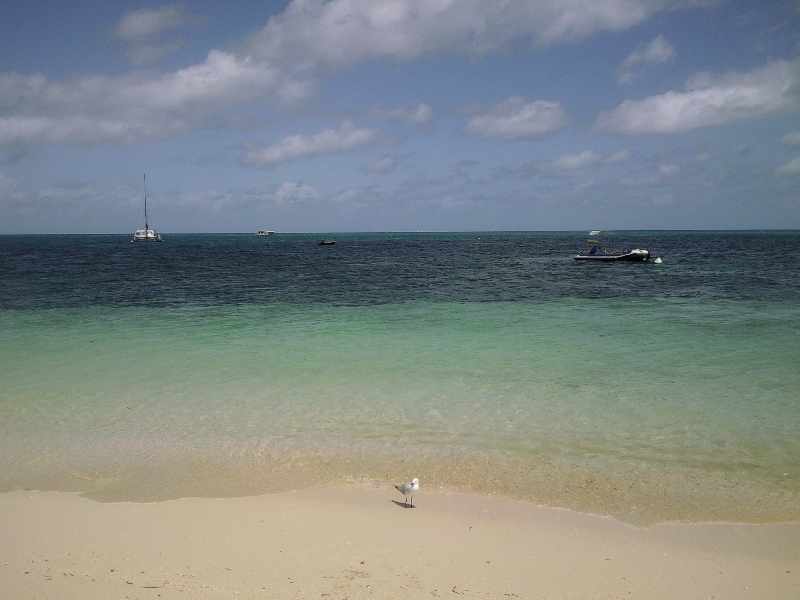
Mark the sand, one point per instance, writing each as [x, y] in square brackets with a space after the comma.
[355, 542]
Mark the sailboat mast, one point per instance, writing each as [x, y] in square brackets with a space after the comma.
[146, 226]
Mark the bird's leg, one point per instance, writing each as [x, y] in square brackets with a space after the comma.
[412, 501]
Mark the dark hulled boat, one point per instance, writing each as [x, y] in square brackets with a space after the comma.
[599, 251]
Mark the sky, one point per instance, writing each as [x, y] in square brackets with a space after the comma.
[399, 115]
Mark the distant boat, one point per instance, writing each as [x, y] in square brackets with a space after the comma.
[326, 243]
[146, 234]
[265, 232]
[599, 251]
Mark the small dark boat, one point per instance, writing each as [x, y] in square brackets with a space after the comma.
[326, 243]
[599, 252]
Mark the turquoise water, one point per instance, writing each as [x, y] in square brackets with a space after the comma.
[678, 407]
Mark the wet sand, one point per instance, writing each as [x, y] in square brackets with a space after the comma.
[352, 542]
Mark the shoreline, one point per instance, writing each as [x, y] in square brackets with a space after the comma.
[359, 542]
[641, 501]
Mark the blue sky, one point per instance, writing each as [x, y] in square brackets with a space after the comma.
[399, 115]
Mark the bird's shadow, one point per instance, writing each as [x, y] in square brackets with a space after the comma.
[401, 505]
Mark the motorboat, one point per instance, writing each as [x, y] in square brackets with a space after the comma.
[265, 232]
[326, 243]
[601, 248]
[146, 234]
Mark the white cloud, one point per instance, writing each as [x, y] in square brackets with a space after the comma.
[6, 184]
[12, 194]
[284, 194]
[790, 168]
[412, 115]
[656, 52]
[328, 141]
[142, 108]
[708, 101]
[130, 109]
[515, 118]
[335, 33]
[574, 163]
[792, 139]
[146, 22]
[568, 165]
[421, 114]
[666, 174]
[385, 164]
[289, 192]
[618, 157]
[212, 200]
[141, 29]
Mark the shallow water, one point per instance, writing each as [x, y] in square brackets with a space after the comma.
[493, 363]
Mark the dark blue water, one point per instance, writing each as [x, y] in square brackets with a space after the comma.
[67, 271]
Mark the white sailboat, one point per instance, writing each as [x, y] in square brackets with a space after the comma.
[146, 234]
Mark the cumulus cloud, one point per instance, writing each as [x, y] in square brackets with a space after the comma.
[142, 30]
[516, 118]
[656, 52]
[790, 168]
[130, 109]
[708, 101]
[290, 193]
[328, 141]
[337, 33]
[314, 34]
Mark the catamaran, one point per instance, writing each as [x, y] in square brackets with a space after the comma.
[146, 234]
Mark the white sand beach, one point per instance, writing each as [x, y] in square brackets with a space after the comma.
[352, 542]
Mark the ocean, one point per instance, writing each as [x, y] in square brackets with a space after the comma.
[487, 363]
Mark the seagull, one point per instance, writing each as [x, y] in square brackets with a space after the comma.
[408, 489]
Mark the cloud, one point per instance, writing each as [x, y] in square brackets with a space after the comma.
[420, 181]
[618, 157]
[418, 114]
[707, 101]
[340, 33]
[515, 118]
[141, 108]
[141, 30]
[792, 139]
[132, 109]
[656, 52]
[214, 158]
[328, 141]
[289, 193]
[210, 199]
[573, 163]
[6, 184]
[421, 114]
[790, 168]
[385, 164]
[569, 165]
[665, 175]
[146, 22]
